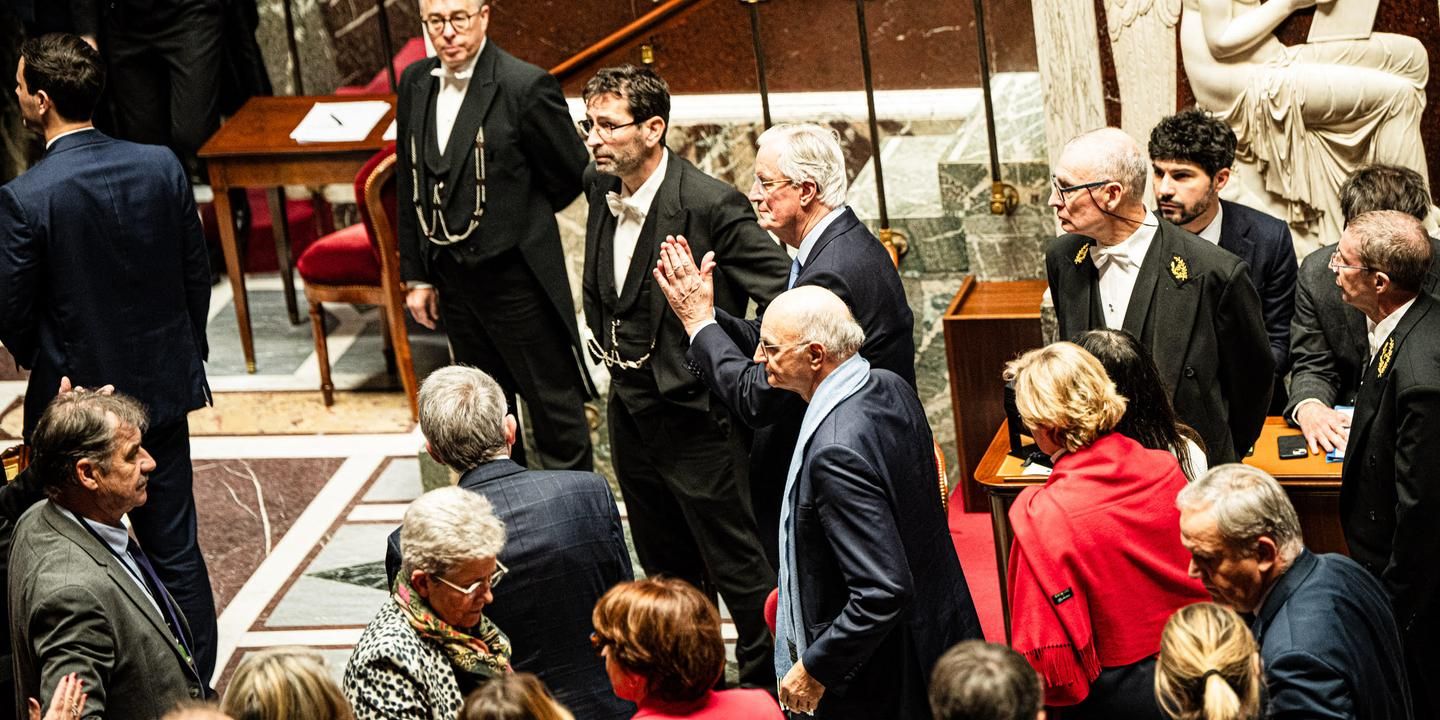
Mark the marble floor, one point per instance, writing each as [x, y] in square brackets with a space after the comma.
[295, 500]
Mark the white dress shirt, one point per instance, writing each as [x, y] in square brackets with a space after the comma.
[1375, 333]
[68, 132]
[1211, 232]
[453, 86]
[629, 223]
[1119, 266]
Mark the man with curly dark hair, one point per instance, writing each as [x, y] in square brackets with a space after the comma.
[1190, 156]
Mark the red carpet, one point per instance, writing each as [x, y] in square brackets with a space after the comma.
[975, 544]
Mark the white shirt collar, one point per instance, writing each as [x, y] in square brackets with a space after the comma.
[1135, 246]
[1377, 332]
[464, 73]
[88, 128]
[644, 196]
[1212, 231]
[118, 538]
[812, 237]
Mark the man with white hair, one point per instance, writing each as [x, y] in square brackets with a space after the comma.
[1190, 302]
[871, 592]
[1328, 639]
[567, 547]
[799, 188]
[679, 455]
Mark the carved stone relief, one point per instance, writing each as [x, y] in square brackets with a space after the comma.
[1305, 115]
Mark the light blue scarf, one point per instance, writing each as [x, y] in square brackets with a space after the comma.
[848, 378]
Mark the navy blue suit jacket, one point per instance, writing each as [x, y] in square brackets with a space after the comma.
[565, 548]
[1329, 644]
[880, 587]
[1263, 241]
[104, 275]
[849, 261]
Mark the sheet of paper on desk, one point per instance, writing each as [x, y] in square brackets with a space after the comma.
[1338, 454]
[339, 121]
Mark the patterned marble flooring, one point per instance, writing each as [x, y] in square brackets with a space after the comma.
[294, 512]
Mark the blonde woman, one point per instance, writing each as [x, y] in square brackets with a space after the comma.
[284, 682]
[514, 697]
[1096, 567]
[1209, 666]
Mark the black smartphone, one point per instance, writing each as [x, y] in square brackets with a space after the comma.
[1291, 447]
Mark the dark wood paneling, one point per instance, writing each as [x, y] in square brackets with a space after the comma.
[809, 44]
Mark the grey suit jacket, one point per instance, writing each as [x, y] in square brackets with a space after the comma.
[74, 608]
[1327, 337]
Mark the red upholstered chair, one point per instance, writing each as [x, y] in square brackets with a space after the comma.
[361, 264]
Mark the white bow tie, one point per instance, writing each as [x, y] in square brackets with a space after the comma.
[1100, 255]
[445, 74]
[620, 206]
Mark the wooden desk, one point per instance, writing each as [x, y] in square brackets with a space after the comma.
[1312, 484]
[254, 149]
[987, 324]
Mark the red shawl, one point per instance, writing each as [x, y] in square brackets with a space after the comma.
[1097, 566]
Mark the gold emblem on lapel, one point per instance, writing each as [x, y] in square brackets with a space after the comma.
[1386, 352]
[1178, 269]
[1084, 253]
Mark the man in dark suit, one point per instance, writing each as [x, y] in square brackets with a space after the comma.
[1327, 338]
[488, 155]
[1327, 636]
[1387, 490]
[1190, 156]
[84, 597]
[806, 211]
[871, 592]
[679, 457]
[1187, 300]
[104, 278]
[564, 545]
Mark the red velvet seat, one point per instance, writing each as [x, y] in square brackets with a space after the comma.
[360, 264]
[343, 257]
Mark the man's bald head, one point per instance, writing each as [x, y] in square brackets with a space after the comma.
[807, 332]
[812, 314]
[1109, 154]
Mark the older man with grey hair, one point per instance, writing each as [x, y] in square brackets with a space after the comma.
[567, 547]
[84, 597]
[871, 592]
[799, 189]
[1388, 489]
[1191, 303]
[1327, 636]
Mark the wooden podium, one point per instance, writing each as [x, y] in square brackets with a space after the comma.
[986, 325]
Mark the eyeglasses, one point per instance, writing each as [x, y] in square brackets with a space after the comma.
[765, 185]
[770, 350]
[1063, 190]
[487, 582]
[460, 21]
[1336, 264]
[605, 130]
[599, 642]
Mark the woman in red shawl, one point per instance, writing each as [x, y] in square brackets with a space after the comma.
[1097, 566]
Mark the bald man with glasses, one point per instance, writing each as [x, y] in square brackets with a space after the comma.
[1190, 302]
[487, 156]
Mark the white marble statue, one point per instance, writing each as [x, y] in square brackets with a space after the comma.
[1305, 115]
[1142, 38]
